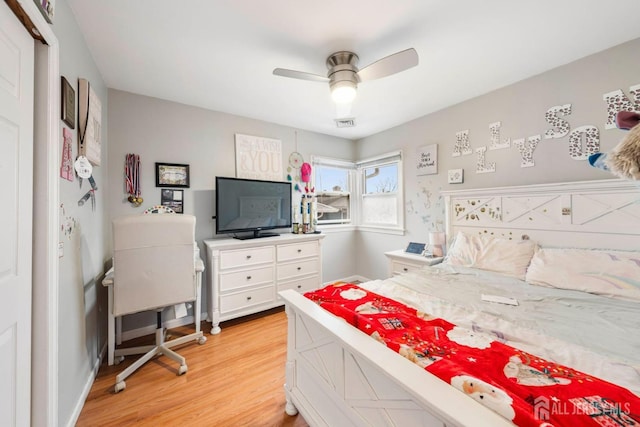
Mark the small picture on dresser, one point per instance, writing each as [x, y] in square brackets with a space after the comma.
[415, 248]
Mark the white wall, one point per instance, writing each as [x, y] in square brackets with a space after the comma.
[164, 131]
[521, 108]
[82, 304]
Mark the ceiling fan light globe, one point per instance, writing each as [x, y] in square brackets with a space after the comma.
[343, 93]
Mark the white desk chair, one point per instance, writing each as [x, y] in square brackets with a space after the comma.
[153, 268]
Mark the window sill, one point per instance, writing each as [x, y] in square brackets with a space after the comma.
[337, 228]
[383, 230]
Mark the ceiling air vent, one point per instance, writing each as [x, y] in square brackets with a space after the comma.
[345, 123]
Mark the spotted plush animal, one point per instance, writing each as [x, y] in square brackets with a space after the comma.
[624, 160]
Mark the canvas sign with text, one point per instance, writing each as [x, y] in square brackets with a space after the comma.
[258, 158]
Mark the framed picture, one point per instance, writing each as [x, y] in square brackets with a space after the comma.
[172, 175]
[46, 8]
[415, 248]
[68, 103]
[427, 160]
[455, 176]
[173, 199]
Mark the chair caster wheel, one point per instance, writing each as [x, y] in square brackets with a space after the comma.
[120, 386]
[202, 340]
[182, 370]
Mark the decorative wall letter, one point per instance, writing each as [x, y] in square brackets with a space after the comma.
[561, 127]
[495, 143]
[462, 146]
[526, 150]
[617, 101]
[592, 140]
[482, 166]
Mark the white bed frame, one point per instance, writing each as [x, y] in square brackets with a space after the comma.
[338, 376]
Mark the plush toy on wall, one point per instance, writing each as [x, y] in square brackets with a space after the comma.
[624, 159]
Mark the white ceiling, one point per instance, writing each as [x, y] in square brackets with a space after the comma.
[220, 55]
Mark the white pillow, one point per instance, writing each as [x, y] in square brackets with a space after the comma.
[609, 273]
[504, 256]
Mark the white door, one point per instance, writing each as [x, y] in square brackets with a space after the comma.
[16, 177]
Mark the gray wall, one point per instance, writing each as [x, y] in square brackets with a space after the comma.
[81, 299]
[521, 108]
[164, 131]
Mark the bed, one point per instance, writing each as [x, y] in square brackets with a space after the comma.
[337, 375]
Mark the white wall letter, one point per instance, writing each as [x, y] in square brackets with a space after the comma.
[617, 101]
[494, 142]
[592, 140]
[462, 146]
[560, 127]
[526, 150]
[482, 166]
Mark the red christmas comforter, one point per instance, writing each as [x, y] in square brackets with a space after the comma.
[523, 388]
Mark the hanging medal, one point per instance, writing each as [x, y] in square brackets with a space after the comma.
[132, 179]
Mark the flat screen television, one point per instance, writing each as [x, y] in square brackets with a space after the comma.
[250, 206]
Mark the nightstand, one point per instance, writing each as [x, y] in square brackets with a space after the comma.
[403, 262]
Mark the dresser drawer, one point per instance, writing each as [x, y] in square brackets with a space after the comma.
[297, 268]
[246, 257]
[298, 250]
[301, 285]
[246, 299]
[398, 267]
[244, 278]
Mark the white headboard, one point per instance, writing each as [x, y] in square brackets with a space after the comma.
[591, 214]
[260, 206]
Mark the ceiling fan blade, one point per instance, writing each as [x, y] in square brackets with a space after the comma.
[299, 75]
[389, 65]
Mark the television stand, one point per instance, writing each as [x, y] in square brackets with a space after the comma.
[256, 235]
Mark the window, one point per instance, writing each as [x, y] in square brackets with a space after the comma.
[381, 198]
[333, 181]
[373, 185]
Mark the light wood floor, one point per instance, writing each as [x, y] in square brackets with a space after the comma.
[235, 379]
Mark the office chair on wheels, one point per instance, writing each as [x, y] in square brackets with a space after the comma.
[154, 267]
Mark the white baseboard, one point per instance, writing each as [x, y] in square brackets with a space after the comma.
[73, 420]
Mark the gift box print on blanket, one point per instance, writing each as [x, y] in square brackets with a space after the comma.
[523, 388]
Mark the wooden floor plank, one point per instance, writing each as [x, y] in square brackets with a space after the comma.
[235, 379]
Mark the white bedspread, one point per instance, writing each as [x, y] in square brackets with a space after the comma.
[596, 335]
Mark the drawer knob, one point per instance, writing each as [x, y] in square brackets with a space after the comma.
[248, 277]
[299, 286]
[249, 298]
[405, 269]
[299, 268]
[299, 250]
[248, 256]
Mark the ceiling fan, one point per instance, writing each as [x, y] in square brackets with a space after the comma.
[343, 75]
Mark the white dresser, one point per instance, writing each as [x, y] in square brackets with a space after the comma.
[245, 276]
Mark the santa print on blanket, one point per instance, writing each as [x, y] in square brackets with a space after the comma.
[523, 388]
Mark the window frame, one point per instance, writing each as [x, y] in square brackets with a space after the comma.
[394, 157]
[350, 167]
[356, 191]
